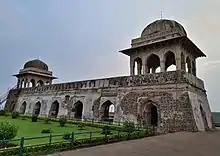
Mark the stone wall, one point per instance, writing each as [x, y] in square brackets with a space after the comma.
[170, 92]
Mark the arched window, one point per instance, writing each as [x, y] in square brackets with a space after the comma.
[193, 68]
[138, 66]
[153, 64]
[170, 61]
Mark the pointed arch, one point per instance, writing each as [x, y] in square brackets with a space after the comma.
[170, 61]
[137, 65]
[37, 107]
[54, 109]
[78, 109]
[107, 111]
[153, 64]
[32, 83]
[40, 83]
[23, 108]
[204, 119]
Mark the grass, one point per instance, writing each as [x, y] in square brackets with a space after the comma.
[28, 129]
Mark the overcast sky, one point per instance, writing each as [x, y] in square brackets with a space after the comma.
[80, 39]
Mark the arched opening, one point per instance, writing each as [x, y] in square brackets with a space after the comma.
[182, 61]
[151, 114]
[67, 98]
[36, 110]
[193, 68]
[78, 109]
[188, 65]
[23, 108]
[32, 83]
[54, 109]
[153, 64]
[203, 114]
[107, 111]
[40, 83]
[22, 83]
[12, 106]
[170, 61]
[138, 66]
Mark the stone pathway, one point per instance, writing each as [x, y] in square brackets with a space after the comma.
[176, 144]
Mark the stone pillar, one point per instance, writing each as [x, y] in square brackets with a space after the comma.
[144, 67]
[178, 63]
[153, 70]
[162, 66]
[18, 83]
[139, 66]
[131, 67]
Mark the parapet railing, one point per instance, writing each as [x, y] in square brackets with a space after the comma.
[171, 77]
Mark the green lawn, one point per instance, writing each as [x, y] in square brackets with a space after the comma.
[27, 129]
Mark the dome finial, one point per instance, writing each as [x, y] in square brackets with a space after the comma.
[161, 14]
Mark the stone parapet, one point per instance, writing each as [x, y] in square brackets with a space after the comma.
[172, 77]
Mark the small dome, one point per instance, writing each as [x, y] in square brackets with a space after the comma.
[163, 25]
[36, 64]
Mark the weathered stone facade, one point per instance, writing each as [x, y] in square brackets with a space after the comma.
[171, 100]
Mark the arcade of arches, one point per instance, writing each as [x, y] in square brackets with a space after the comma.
[107, 111]
[154, 64]
[26, 83]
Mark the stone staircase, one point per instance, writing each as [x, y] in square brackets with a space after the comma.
[3, 98]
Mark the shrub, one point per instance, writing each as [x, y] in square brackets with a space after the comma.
[2, 112]
[47, 120]
[34, 118]
[106, 130]
[81, 125]
[62, 121]
[129, 127]
[14, 115]
[46, 130]
[7, 130]
[23, 118]
[66, 136]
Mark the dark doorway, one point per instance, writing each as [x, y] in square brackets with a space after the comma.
[23, 107]
[107, 111]
[54, 110]
[154, 116]
[204, 118]
[78, 109]
[37, 107]
[151, 115]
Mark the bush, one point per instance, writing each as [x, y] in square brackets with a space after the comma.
[81, 125]
[47, 120]
[2, 113]
[62, 121]
[66, 136]
[34, 118]
[129, 127]
[7, 130]
[106, 130]
[14, 115]
[46, 130]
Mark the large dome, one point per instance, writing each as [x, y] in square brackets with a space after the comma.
[163, 25]
[36, 64]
